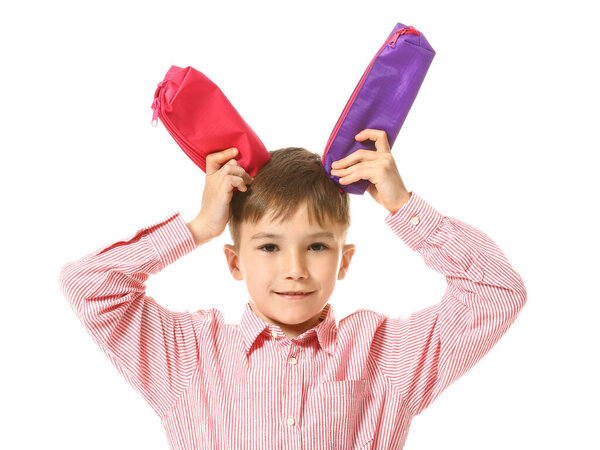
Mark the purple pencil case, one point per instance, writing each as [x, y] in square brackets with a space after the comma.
[381, 99]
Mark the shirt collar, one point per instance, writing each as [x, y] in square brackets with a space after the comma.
[252, 326]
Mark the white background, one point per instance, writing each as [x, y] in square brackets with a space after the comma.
[503, 135]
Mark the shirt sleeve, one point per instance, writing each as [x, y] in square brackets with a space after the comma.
[155, 349]
[422, 354]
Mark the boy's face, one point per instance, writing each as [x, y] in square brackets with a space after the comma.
[291, 260]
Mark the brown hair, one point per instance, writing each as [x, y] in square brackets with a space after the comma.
[291, 177]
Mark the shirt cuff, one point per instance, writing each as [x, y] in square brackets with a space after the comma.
[415, 221]
[171, 238]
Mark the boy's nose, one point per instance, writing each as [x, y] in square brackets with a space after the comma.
[295, 266]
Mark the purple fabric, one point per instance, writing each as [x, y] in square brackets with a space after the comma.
[382, 98]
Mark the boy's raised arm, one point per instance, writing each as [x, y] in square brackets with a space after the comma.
[425, 352]
[155, 349]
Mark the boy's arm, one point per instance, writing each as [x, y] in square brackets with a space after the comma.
[424, 353]
[155, 349]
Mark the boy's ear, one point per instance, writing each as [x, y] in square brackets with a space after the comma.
[347, 253]
[233, 261]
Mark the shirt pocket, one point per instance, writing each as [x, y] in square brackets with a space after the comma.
[344, 402]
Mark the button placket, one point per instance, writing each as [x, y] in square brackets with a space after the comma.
[292, 398]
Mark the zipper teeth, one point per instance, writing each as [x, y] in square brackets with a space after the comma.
[394, 37]
[171, 129]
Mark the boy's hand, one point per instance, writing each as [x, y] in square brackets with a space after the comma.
[378, 167]
[223, 174]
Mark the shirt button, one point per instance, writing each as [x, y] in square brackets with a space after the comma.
[414, 220]
[274, 333]
[293, 360]
[291, 421]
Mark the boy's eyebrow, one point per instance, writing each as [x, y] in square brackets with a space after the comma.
[327, 234]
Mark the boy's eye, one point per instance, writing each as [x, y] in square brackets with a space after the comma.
[319, 244]
[267, 245]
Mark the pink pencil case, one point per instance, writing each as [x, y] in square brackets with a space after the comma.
[201, 119]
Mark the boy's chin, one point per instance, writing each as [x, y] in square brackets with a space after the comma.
[285, 315]
[291, 317]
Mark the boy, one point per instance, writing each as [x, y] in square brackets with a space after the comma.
[288, 376]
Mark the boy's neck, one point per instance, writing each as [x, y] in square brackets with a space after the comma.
[291, 332]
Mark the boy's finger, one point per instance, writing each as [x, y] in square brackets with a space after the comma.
[246, 176]
[214, 160]
[341, 162]
[354, 157]
[378, 136]
[240, 172]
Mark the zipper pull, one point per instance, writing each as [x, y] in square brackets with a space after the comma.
[400, 32]
[156, 103]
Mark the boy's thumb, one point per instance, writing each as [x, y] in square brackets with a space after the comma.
[214, 160]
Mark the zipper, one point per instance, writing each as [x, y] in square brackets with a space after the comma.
[392, 43]
[168, 125]
[400, 32]
[156, 103]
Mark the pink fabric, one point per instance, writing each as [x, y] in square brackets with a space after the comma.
[202, 120]
[352, 383]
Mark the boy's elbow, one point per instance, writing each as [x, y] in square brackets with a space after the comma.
[520, 298]
[63, 277]
[67, 281]
[522, 292]
[518, 291]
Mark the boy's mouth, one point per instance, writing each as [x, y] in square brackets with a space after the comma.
[294, 295]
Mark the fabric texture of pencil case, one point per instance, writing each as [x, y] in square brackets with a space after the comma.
[202, 120]
[381, 99]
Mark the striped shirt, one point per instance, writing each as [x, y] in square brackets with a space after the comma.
[353, 384]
